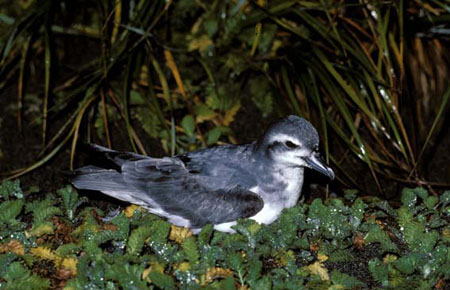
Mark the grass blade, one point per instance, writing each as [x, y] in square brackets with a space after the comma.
[22, 80]
[442, 108]
[47, 84]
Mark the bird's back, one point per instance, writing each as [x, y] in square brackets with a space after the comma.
[221, 167]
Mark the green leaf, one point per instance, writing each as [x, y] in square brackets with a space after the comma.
[358, 209]
[426, 241]
[235, 262]
[188, 124]
[409, 197]
[18, 277]
[263, 284]
[444, 199]
[9, 210]
[228, 284]
[407, 264]
[136, 240]
[149, 120]
[190, 249]
[70, 200]
[203, 112]
[123, 224]
[136, 98]
[340, 256]
[254, 269]
[68, 249]
[213, 136]
[262, 96]
[377, 235]
[379, 271]
[205, 234]
[345, 280]
[162, 280]
[431, 201]
[123, 272]
[421, 192]
[350, 194]
[160, 231]
[10, 188]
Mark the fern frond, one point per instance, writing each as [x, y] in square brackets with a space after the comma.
[190, 249]
[136, 240]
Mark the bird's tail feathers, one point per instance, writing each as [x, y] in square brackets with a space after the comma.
[108, 181]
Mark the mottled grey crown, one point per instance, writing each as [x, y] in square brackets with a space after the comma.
[295, 127]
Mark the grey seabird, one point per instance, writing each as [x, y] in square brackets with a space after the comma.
[214, 185]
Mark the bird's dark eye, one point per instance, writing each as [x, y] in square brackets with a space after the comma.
[291, 144]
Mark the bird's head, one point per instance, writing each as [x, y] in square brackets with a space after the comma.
[294, 142]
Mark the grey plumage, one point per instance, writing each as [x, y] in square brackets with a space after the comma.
[215, 185]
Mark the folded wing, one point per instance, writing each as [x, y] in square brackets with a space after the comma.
[167, 188]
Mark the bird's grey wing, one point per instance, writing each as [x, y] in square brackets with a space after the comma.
[166, 183]
[166, 187]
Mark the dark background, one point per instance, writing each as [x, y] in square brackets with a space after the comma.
[341, 65]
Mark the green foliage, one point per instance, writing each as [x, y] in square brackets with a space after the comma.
[43, 210]
[19, 277]
[262, 95]
[445, 199]
[330, 221]
[345, 280]
[10, 189]
[408, 263]
[136, 240]
[89, 275]
[162, 281]
[126, 274]
[188, 125]
[71, 200]
[379, 271]
[377, 235]
[330, 244]
[190, 249]
[11, 204]
[9, 210]
[341, 256]
[68, 249]
[123, 226]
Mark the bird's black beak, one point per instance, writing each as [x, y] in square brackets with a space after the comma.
[315, 162]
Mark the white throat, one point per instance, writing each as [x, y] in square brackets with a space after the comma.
[293, 177]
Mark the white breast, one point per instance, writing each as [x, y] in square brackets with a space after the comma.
[288, 197]
[293, 178]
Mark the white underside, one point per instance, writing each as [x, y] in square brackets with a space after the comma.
[266, 216]
[225, 227]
